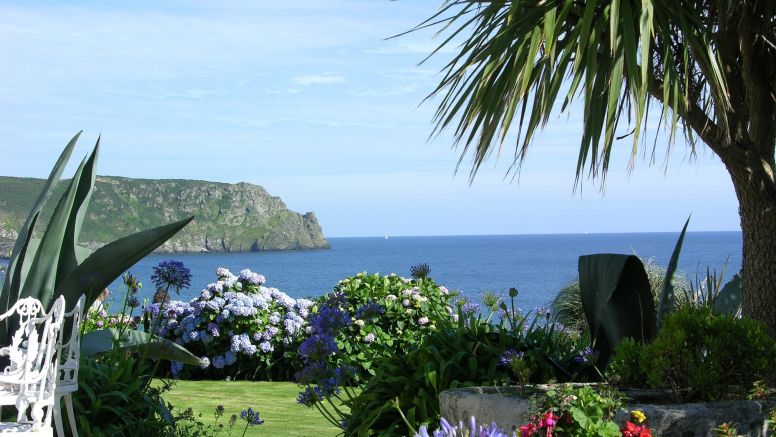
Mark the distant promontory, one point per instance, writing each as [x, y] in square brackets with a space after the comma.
[227, 217]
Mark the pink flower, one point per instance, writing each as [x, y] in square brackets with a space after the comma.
[527, 430]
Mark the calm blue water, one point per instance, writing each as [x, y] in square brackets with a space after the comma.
[538, 265]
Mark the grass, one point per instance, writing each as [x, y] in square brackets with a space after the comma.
[276, 402]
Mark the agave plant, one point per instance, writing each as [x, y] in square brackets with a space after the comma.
[617, 301]
[56, 263]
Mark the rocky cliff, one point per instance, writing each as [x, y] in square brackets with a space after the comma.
[227, 217]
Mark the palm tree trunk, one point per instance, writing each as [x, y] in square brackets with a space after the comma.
[756, 192]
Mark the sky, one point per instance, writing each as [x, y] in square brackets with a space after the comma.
[312, 100]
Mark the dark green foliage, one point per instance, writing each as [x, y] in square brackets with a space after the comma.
[567, 305]
[114, 397]
[700, 355]
[625, 366]
[412, 382]
[667, 301]
[617, 301]
[464, 354]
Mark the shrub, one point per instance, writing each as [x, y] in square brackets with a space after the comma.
[700, 355]
[403, 394]
[115, 397]
[367, 317]
[625, 367]
[244, 330]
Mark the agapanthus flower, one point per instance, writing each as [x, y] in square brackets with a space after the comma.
[586, 356]
[317, 346]
[251, 417]
[470, 308]
[447, 430]
[310, 396]
[171, 274]
[509, 356]
[133, 302]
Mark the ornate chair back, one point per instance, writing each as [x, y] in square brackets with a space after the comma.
[70, 352]
[30, 380]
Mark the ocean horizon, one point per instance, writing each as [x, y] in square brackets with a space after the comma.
[538, 265]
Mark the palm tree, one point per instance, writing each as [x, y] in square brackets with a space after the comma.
[709, 64]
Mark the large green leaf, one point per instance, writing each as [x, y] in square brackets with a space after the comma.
[108, 262]
[617, 301]
[667, 296]
[14, 282]
[70, 253]
[42, 283]
[102, 340]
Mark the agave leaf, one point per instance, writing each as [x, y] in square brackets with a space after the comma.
[729, 298]
[102, 340]
[617, 301]
[108, 262]
[14, 282]
[667, 296]
[41, 284]
[69, 254]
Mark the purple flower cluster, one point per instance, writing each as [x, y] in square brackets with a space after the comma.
[234, 317]
[587, 356]
[251, 417]
[171, 275]
[509, 356]
[318, 374]
[448, 430]
[369, 310]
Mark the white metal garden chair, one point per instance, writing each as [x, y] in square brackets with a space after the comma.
[67, 374]
[29, 381]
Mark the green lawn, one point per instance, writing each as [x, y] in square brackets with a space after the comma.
[276, 401]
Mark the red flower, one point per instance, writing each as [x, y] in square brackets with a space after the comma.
[633, 430]
[527, 430]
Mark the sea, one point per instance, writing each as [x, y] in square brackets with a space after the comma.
[537, 265]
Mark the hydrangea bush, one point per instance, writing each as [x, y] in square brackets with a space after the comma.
[366, 318]
[241, 328]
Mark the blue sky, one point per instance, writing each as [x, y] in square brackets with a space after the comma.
[309, 100]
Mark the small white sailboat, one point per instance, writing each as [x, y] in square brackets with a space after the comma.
[386, 236]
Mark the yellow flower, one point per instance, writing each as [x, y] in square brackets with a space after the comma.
[638, 416]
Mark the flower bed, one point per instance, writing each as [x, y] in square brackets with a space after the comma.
[511, 408]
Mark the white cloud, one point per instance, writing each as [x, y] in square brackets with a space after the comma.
[318, 79]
